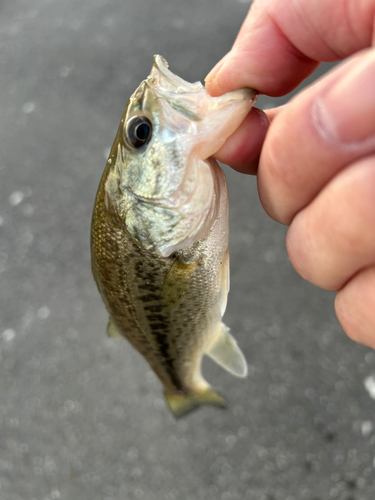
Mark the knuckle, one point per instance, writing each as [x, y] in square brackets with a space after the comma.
[305, 253]
[354, 306]
[348, 319]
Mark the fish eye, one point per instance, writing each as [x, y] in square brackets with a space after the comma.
[138, 131]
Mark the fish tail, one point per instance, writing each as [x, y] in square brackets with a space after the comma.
[180, 404]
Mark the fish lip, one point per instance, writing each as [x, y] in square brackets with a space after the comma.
[167, 81]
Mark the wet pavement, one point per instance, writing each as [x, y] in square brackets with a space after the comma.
[82, 416]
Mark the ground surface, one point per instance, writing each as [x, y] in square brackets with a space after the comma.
[82, 416]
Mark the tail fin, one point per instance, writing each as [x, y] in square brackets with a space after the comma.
[180, 404]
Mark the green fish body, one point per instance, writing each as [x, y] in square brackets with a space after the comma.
[159, 237]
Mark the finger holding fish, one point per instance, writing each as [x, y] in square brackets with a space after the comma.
[242, 149]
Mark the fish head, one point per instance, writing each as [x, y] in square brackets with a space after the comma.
[160, 182]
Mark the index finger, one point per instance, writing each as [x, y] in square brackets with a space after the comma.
[282, 42]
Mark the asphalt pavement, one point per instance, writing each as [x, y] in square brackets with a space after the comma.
[82, 416]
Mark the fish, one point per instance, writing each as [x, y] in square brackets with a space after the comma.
[160, 229]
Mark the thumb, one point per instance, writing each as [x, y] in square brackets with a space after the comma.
[281, 42]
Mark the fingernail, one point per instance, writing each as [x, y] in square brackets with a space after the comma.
[345, 114]
[215, 70]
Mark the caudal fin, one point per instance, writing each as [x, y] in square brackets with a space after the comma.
[181, 404]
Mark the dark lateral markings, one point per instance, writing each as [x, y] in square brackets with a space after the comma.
[158, 326]
[124, 300]
[154, 308]
[151, 297]
[168, 362]
[150, 287]
[155, 317]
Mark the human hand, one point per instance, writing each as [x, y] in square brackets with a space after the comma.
[316, 171]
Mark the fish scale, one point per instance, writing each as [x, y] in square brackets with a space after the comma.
[124, 277]
[160, 246]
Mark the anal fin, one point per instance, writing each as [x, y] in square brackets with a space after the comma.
[181, 404]
[226, 353]
[113, 331]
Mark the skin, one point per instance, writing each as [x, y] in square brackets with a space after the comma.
[315, 156]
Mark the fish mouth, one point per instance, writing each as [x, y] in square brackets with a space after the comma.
[166, 81]
[186, 110]
[204, 121]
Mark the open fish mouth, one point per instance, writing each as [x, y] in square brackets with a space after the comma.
[161, 77]
[191, 100]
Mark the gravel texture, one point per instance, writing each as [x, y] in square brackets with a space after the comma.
[82, 416]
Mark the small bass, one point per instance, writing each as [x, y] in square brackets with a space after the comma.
[159, 236]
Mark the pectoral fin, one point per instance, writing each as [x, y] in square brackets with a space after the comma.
[113, 331]
[181, 404]
[226, 353]
[176, 283]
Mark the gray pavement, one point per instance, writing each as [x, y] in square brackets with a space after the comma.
[81, 416]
